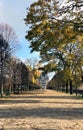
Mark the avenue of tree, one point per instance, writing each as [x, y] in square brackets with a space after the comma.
[56, 32]
[14, 74]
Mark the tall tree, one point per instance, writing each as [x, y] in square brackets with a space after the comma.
[53, 28]
[4, 60]
[8, 40]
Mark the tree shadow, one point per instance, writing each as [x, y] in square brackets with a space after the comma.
[43, 112]
[62, 102]
[23, 101]
[17, 101]
[23, 98]
[42, 97]
[56, 113]
[53, 97]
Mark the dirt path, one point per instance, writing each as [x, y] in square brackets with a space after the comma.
[41, 110]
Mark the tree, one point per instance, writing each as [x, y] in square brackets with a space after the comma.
[4, 60]
[20, 75]
[8, 40]
[24, 75]
[33, 66]
[57, 82]
[53, 29]
[31, 63]
[9, 35]
[72, 13]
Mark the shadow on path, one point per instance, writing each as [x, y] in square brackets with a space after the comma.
[56, 113]
[41, 111]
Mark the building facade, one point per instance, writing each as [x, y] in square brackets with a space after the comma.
[43, 80]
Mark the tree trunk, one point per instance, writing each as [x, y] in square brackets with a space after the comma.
[71, 87]
[18, 89]
[9, 88]
[2, 90]
[1, 74]
[82, 78]
[14, 88]
[76, 90]
[21, 88]
[66, 87]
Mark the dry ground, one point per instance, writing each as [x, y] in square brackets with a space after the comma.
[41, 110]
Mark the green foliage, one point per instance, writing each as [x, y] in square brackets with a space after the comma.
[57, 33]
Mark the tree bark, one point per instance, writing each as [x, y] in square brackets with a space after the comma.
[71, 87]
[14, 88]
[2, 90]
[66, 87]
[1, 73]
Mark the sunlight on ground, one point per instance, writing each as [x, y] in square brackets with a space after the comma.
[41, 110]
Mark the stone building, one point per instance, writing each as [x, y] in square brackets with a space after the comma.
[43, 80]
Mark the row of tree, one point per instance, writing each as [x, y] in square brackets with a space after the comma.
[14, 74]
[58, 82]
[7, 43]
[56, 32]
[12, 71]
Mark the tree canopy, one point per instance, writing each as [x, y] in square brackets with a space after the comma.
[56, 31]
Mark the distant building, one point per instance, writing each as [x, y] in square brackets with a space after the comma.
[43, 80]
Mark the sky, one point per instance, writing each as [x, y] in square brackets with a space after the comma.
[13, 12]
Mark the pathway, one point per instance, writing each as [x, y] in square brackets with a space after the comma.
[41, 110]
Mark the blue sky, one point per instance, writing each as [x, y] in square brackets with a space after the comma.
[13, 12]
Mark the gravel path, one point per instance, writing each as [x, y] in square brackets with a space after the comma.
[41, 110]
